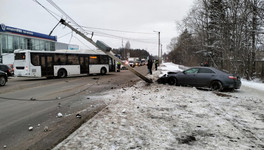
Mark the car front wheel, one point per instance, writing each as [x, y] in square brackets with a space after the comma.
[2, 81]
[172, 81]
[216, 86]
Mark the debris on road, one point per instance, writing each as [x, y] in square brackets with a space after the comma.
[30, 128]
[46, 129]
[59, 115]
[78, 116]
[32, 99]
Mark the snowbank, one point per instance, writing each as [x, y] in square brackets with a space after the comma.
[171, 117]
[252, 84]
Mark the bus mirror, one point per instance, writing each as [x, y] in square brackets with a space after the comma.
[103, 46]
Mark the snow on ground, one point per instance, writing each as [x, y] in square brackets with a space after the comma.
[160, 117]
[252, 84]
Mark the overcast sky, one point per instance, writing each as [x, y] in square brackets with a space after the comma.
[142, 17]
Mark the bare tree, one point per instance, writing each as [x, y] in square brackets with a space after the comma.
[228, 31]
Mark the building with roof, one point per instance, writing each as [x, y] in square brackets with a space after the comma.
[12, 38]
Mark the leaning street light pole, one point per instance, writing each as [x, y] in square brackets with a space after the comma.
[106, 49]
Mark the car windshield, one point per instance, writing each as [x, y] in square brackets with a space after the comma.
[190, 71]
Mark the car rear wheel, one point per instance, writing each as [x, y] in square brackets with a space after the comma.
[2, 81]
[216, 86]
[172, 81]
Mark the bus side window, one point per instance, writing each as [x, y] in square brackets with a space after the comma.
[73, 60]
[94, 60]
[49, 61]
[104, 59]
[59, 59]
[35, 59]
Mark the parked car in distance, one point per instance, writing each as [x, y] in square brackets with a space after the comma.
[143, 62]
[3, 78]
[138, 63]
[132, 63]
[208, 77]
[7, 69]
[122, 66]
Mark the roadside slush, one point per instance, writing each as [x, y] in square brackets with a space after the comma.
[60, 130]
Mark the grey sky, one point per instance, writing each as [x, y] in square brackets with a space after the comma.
[126, 15]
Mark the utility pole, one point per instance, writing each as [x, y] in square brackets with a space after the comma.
[158, 46]
[106, 49]
[161, 51]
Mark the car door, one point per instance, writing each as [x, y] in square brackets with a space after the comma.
[188, 77]
[204, 76]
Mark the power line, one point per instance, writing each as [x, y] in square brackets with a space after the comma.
[114, 30]
[103, 34]
[49, 11]
[97, 33]
[84, 44]
[64, 35]
[119, 37]
[65, 14]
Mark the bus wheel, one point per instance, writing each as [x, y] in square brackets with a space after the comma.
[62, 73]
[2, 81]
[103, 71]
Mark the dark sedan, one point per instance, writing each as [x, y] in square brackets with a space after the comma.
[3, 78]
[7, 69]
[202, 77]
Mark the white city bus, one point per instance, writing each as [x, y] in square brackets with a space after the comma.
[60, 64]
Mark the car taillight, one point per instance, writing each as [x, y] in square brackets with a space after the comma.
[232, 77]
[9, 70]
[27, 68]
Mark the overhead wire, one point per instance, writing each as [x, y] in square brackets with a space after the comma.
[83, 43]
[104, 34]
[49, 11]
[65, 14]
[117, 30]
[95, 33]
[64, 35]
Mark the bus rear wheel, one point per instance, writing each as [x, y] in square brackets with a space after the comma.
[62, 73]
[103, 71]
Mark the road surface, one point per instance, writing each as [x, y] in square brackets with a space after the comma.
[36, 103]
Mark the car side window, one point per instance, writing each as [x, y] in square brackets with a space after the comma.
[205, 70]
[191, 71]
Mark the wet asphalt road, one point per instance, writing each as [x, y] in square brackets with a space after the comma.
[28, 102]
